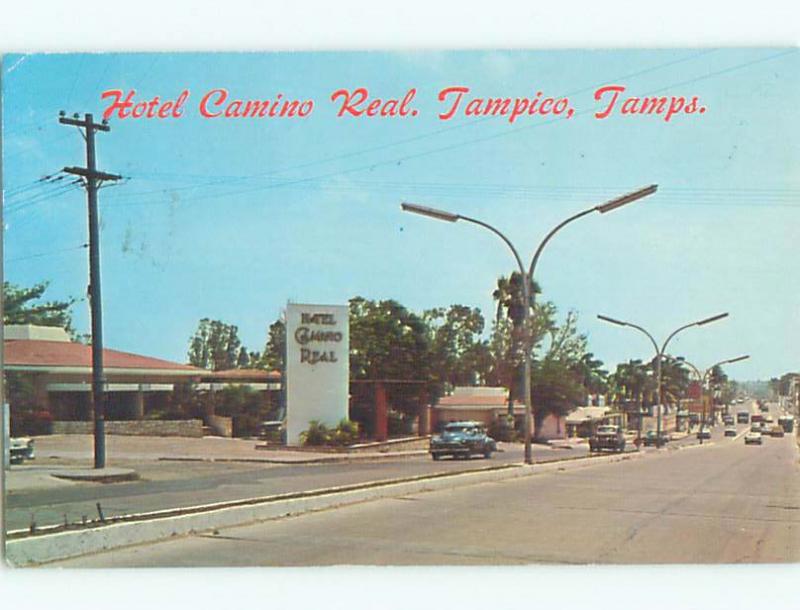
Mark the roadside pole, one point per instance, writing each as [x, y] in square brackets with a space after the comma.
[92, 180]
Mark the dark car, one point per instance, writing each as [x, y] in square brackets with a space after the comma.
[651, 437]
[704, 433]
[462, 439]
[21, 449]
[607, 437]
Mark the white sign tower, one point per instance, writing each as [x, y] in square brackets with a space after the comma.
[317, 366]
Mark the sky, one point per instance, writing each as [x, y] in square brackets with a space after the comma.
[232, 218]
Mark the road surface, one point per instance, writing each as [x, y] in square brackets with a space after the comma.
[724, 502]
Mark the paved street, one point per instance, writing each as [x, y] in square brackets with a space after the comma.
[725, 502]
[36, 497]
[167, 484]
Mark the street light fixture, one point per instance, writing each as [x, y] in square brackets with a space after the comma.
[660, 355]
[527, 276]
[703, 378]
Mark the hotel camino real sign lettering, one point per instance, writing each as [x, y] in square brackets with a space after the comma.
[317, 366]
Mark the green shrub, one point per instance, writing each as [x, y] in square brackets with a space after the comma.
[502, 429]
[346, 433]
[317, 434]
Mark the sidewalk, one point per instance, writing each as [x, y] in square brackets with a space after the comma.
[78, 449]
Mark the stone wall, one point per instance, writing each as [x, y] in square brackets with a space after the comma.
[220, 426]
[145, 427]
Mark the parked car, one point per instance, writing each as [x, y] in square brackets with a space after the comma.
[704, 433]
[730, 431]
[462, 439]
[607, 437]
[752, 438]
[651, 436]
[21, 449]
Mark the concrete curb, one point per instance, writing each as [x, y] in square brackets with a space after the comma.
[343, 458]
[41, 549]
[102, 475]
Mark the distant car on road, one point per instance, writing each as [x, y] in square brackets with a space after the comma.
[651, 436]
[743, 417]
[728, 420]
[730, 431]
[777, 431]
[607, 437]
[787, 422]
[752, 438]
[462, 439]
[21, 449]
[704, 433]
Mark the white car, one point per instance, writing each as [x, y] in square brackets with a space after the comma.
[753, 438]
[21, 449]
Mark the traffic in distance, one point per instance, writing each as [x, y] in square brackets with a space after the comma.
[464, 439]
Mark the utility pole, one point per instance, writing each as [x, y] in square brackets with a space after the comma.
[92, 180]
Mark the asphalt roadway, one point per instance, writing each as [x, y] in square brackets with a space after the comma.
[166, 484]
[179, 484]
[722, 502]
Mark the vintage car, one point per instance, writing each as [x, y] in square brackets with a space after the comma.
[786, 422]
[649, 439]
[753, 438]
[704, 433]
[462, 439]
[607, 437]
[21, 449]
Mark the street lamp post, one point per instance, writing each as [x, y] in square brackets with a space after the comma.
[527, 277]
[660, 355]
[704, 377]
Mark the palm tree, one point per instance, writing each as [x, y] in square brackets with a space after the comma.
[674, 379]
[511, 307]
[591, 374]
[633, 380]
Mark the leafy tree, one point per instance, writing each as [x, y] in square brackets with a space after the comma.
[459, 356]
[566, 344]
[24, 306]
[215, 345]
[275, 349]
[557, 390]
[387, 341]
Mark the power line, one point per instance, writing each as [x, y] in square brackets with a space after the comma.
[42, 197]
[48, 253]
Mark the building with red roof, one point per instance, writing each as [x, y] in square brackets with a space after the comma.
[60, 373]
